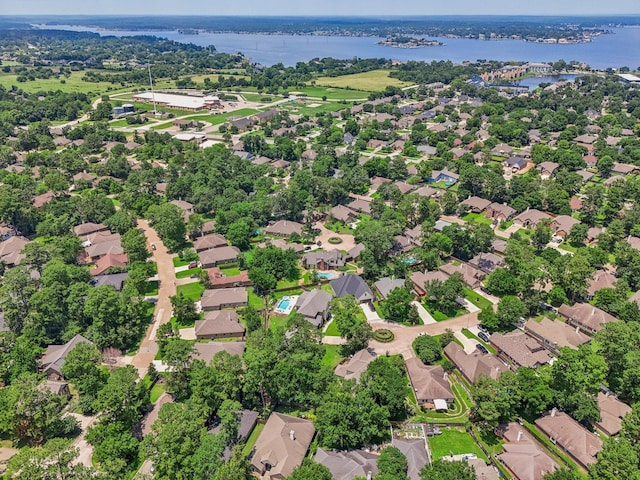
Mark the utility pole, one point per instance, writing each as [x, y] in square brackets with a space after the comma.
[153, 95]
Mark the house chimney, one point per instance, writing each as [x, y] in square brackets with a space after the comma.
[369, 475]
[554, 411]
[292, 435]
[520, 435]
[446, 375]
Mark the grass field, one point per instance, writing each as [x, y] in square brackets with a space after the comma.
[332, 93]
[332, 356]
[191, 290]
[372, 81]
[323, 107]
[156, 391]
[332, 330]
[223, 117]
[453, 441]
[478, 300]
[72, 84]
[251, 441]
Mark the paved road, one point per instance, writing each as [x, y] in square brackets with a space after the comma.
[404, 336]
[162, 312]
[348, 241]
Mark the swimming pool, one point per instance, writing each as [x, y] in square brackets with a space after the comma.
[326, 275]
[285, 305]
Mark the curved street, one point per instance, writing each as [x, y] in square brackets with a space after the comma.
[162, 312]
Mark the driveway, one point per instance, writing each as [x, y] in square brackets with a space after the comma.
[348, 242]
[468, 343]
[85, 450]
[167, 288]
[404, 336]
[370, 312]
[426, 317]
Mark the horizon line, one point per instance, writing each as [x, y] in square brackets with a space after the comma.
[561, 15]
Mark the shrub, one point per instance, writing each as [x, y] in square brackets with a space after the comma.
[383, 335]
[335, 240]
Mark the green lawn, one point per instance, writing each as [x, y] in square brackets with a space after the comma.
[223, 117]
[72, 84]
[178, 262]
[477, 217]
[439, 316]
[191, 290]
[251, 441]
[332, 330]
[332, 356]
[374, 80]
[188, 273]
[254, 300]
[276, 322]
[151, 288]
[478, 300]
[230, 271]
[321, 107]
[332, 93]
[156, 391]
[454, 441]
[339, 227]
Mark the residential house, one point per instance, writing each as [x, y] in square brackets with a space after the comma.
[56, 387]
[419, 279]
[218, 256]
[352, 285]
[360, 205]
[115, 280]
[634, 242]
[343, 214]
[354, 367]
[6, 232]
[487, 262]
[430, 384]
[108, 261]
[474, 365]
[282, 244]
[624, 168]
[522, 455]
[472, 276]
[207, 242]
[206, 351]
[401, 244]
[324, 260]
[88, 228]
[54, 357]
[515, 164]
[476, 204]
[313, 305]
[217, 279]
[97, 250]
[386, 285]
[612, 411]
[554, 335]
[612, 180]
[354, 253]
[499, 212]
[502, 150]
[415, 452]
[590, 160]
[547, 169]
[414, 235]
[562, 224]
[346, 465]
[443, 176]
[284, 228]
[427, 191]
[281, 446]
[586, 139]
[588, 318]
[11, 250]
[600, 279]
[530, 218]
[248, 421]
[519, 349]
[219, 324]
[499, 246]
[570, 436]
[40, 201]
[221, 298]
[404, 187]
[186, 208]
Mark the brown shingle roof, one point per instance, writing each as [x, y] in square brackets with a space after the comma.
[428, 381]
[520, 349]
[612, 411]
[554, 335]
[474, 365]
[586, 316]
[522, 455]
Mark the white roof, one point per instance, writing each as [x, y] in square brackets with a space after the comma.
[173, 100]
[440, 404]
[629, 77]
[187, 137]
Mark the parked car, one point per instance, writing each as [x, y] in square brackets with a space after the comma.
[153, 246]
[483, 336]
[193, 265]
[482, 348]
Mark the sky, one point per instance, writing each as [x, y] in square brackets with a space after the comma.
[319, 7]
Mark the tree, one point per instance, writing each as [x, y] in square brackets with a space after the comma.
[385, 381]
[427, 348]
[510, 310]
[30, 413]
[578, 235]
[617, 459]
[208, 457]
[239, 234]
[168, 221]
[310, 470]
[122, 399]
[263, 281]
[252, 318]
[441, 470]
[184, 309]
[348, 418]
[563, 474]
[81, 369]
[605, 165]
[121, 222]
[502, 281]
[444, 295]
[173, 441]
[541, 235]
[397, 306]
[237, 468]
[134, 244]
[356, 331]
[392, 464]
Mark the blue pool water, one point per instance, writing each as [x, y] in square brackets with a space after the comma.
[326, 275]
[283, 304]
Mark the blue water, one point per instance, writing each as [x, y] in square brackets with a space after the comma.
[283, 304]
[409, 261]
[617, 50]
[325, 275]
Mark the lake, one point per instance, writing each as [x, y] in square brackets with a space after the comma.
[616, 50]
